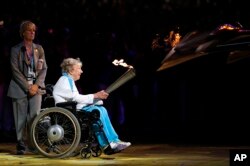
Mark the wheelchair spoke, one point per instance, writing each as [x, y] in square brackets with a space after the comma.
[58, 135]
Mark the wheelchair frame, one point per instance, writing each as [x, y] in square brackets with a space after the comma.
[63, 131]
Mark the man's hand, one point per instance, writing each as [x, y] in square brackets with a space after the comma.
[33, 90]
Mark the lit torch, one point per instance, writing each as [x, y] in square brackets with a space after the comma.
[128, 75]
[121, 63]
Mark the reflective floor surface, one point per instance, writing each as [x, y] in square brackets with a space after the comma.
[137, 154]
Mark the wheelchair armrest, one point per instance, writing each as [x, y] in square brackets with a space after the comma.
[67, 104]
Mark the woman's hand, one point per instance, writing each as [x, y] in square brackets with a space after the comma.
[33, 90]
[101, 95]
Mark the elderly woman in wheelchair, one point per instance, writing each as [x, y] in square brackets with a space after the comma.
[56, 130]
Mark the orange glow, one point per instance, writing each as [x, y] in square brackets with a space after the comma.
[228, 27]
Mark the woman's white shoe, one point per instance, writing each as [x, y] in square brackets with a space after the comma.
[113, 145]
[119, 146]
[124, 143]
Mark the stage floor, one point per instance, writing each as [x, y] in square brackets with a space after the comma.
[137, 154]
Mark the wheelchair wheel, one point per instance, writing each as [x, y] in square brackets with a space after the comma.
[85, 152]
[56, 132]
[96, 151]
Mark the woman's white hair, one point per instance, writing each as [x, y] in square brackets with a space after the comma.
[68, 64]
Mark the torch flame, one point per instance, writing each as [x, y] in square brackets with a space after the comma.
[121, 63]
[129, 74]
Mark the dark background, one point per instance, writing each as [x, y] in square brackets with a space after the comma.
[202, 101]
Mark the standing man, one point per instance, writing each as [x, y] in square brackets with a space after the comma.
[29, 70]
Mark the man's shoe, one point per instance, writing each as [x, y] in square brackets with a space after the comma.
[20, 148]
[20, 152]
[32, 150]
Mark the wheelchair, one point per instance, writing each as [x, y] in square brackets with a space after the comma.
[63, 131]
